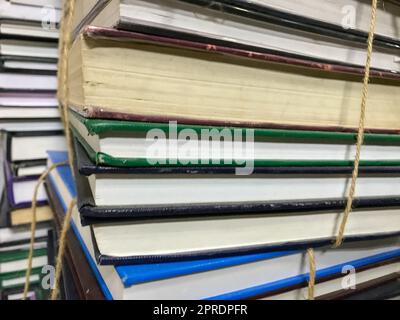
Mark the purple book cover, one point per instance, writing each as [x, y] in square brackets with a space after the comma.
[10, 181]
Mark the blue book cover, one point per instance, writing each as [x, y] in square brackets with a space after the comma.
[136, 274]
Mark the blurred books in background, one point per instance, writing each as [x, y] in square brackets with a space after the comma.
[161, 217]
[29, 124]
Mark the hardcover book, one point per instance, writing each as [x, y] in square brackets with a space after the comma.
[244, 232]
[39, 142]
[142, 144]
[206, 192]
[291, 29]
[134, 76]
[255, 274]
[21, 178]
[11, 261]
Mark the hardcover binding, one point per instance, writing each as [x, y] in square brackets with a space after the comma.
[124, 36]
[10, 180]
[94, 111]
[90, 213]
[11, 134]
[299, 245]
[338, 295]
[254, 11]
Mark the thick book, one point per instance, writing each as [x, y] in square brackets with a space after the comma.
[242, 233]
[142, 144]
[246, 89]
[267, 27]
[209, 278]
[206, 192]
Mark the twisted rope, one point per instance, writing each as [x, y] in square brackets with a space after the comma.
[313, 271]
[360, 141]
[361, 128]
[33, 225]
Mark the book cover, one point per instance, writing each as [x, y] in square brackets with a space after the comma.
[133, 275]
[11, 179]
[92, 214]
[250, 63]
[84, 129]
[265, 13]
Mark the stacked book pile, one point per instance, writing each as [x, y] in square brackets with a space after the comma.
[14, 251]
[214, 142]
[29, 125]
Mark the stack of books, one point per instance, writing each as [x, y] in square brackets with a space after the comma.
[214, 142]
[29, 125]
[14, 250]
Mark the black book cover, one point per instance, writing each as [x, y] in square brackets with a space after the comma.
[4, 218]
[27, 59]
[90, 213]
[11, 134]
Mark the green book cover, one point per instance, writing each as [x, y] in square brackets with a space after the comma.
[9, 256]
[103, 127]
[16, 275]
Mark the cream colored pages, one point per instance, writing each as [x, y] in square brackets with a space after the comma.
[162, 82]
[200, 236]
